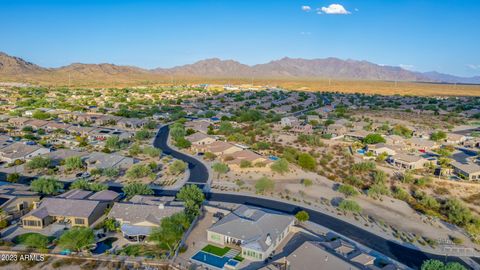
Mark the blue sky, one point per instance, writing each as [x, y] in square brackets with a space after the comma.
[424, 35]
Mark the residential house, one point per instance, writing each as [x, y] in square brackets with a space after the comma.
[101, 134]
[313, 255]
[302, 128]
[18, 122]
[80, 131]
[289, 121]
[16, 200]
[468, 171]
[76, 212]
[218, 148]
[36, 124]
[105, 196]
[131, 123]
[336, 130]
[199, 125]
[380, 148]
[21, 151]
[258, 232]
[138, 220]
[53, 126]
[408, 161]
[100, 160]
[357, 134]
[421, 144]
[199, 138]
[235, 159]
[453, 138]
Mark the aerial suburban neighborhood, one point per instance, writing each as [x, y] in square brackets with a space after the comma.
[239, 135]
[180, 178]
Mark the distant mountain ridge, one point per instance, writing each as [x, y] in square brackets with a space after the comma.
[294, 68]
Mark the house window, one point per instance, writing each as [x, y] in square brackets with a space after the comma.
[80, 221]
[31, 223]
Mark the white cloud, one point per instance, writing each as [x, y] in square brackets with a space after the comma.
[474, 67]
[305, 33]
[306, 8]
[407, 67]
[334, 9]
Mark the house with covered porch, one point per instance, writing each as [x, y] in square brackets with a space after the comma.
[255, 231]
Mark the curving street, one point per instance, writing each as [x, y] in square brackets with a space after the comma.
[199, 176]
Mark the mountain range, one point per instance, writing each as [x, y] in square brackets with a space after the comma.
[14, 68]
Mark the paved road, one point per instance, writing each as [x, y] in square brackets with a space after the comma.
[198, 171]
[199, 175]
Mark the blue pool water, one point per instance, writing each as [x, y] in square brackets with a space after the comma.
[210, 259]
[274, 158]
[232, 263]
[361, 151]
[104, 245]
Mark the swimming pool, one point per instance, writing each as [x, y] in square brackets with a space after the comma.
[104, 245]
[210, 259]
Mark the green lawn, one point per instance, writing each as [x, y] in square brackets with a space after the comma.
[34, 240]
[238, 258]
[216, 250]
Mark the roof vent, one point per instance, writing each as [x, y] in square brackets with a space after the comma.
[268, 240]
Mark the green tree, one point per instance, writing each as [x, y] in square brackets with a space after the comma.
[220, 168]
[457, 212]
[74, 163]
[245, 164]
[110, 225]
[376, 190]
[46, 186]
[168, 235]
[209, 156]
[432, 265]
[348, 191]
[133, 189]
[302, 216]
[306, 161]
[143, 135]
[280, 166]
[138, 171]
[438, 136]
[41, 115]
[13, 177]
[80, 184]
[403, 131]
[77, 239]
[349, 206]
[134, 150]
[182, 143]
[177, 130]
[177, 167]
[152, 151]
[111, 172]
[113, 142]
[373, 138]
[35, 240]
[264, 184]
[38, 162]
[193, 197]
